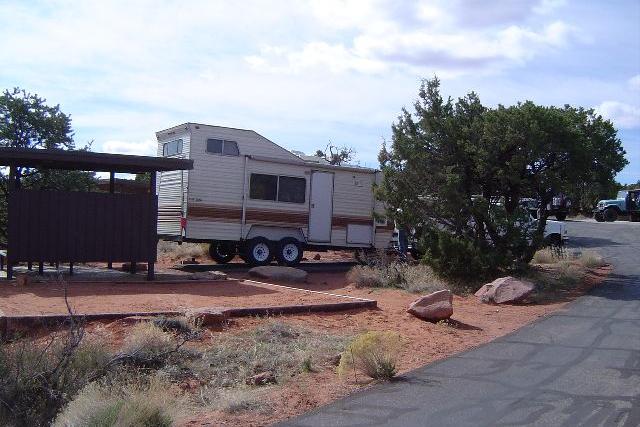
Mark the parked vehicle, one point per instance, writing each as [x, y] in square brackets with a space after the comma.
[558, 207]
[627, 202]
[248, 196]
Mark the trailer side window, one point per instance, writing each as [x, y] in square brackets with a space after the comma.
[263, 187]
[172, 148]
[291, 189]
[219, 146]
[280, 188]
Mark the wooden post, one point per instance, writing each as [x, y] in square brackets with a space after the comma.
[112, 189]
[41, 268]
[154, 241]
[70, 269]
[10, 187]
[29, 265]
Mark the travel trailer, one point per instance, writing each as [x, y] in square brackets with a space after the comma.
[248, 196]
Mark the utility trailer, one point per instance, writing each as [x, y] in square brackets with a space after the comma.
[248, 196]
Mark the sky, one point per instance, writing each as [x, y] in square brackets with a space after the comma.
[306, 73]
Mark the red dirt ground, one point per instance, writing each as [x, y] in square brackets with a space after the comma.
[84, 298]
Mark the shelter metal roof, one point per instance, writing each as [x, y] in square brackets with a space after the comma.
[88, 160]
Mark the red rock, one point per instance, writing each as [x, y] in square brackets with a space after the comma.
[505, 290]
[433, 307]
[206, 316]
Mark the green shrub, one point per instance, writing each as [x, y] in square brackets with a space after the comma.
[37, 380]
[178, 325]
[373, 353]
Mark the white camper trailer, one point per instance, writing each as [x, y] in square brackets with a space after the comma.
[248, 196]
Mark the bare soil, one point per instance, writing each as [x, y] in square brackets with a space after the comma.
[101, 297]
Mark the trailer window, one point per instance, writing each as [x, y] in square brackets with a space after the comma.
[172, 148]
[281, 188]
[219, 146]
[291, 189]
[263, 187]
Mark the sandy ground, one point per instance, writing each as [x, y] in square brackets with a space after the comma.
[84, 298]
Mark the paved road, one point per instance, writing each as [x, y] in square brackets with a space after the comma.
[580, 366]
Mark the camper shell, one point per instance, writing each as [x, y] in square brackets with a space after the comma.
[247, 195]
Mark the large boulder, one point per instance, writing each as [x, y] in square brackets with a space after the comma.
[433, 307]
[206, 316]
[505, 290]
[278, 272]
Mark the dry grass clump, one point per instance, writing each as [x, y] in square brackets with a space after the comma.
[175, 251]
[275, 347]
[374, 353]
[148, 345]
[126, 402]
[545, 256]
[590, 259]
[235, 400]
[416, 278]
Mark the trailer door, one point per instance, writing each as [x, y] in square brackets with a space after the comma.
[320, 207]
[170, 203]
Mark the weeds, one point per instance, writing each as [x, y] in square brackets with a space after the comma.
[147, 345]
[175, 251]
[373, 353]
[412, 278]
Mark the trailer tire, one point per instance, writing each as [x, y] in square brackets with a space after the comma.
[598, 217]
[610, 214]
[259, 251]
[222, 252]
[561, 216]
[289, 252]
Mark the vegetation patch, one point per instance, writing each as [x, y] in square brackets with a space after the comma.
[415, 278]
[373, 354]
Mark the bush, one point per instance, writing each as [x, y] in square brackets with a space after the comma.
[544, 256]
[37, 380]
[373, 353]
[413, 278]
[148, 345]
[178, 325]
[133, 403]
[175, 251]
[590, 259]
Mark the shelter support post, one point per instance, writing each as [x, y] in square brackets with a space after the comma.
[11, 187]
[112, 189]
[154, 242]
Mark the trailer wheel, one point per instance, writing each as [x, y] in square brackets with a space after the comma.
[289, 252]
[259, 251]
[610, 214]
[598, 217]
[561, 216]
[222, 252]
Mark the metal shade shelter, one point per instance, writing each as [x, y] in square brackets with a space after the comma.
[75, 226]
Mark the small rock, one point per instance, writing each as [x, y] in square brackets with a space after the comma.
[206, 316]
[317, 257]
[505, 290]
[208, 275]
[335, 360]
[433, 307]
[277, 272]
[262, 378]
[23, 280]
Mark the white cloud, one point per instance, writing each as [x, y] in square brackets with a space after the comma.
[622, 115]
[141, 148]
[634, 82]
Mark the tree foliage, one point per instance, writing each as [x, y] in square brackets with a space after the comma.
[26, 121]
[336, 155]
[457, 171]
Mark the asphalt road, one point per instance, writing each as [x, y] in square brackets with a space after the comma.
[578, 367]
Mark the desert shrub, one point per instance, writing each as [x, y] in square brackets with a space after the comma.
[122, 402]
[590, 259]
[147, 345]
[175, 251]
[37, 380]
[178, 325]
[413, 278]
[544, 256]
[234, 400]
[373, 353]
[275, 347]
